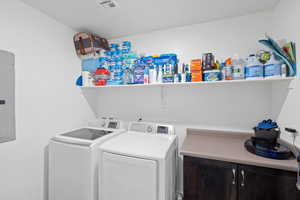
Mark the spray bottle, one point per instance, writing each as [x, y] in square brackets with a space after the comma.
[294, 134]
[183, 76]
[160, 74]
[146, 75]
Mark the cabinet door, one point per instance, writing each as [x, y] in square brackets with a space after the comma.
[209, 180]
[257, 183]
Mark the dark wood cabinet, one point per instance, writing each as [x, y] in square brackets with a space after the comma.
[258, 183]
[216, 180]
[209, 180]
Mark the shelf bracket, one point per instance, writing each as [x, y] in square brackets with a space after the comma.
[163, 101]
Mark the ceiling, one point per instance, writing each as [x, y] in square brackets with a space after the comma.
[140, 16]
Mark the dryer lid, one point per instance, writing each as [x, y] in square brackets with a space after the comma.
[140, 145]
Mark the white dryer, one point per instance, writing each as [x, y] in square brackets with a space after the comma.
[73, 164]
[139, 164]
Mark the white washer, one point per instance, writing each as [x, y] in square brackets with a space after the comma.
[139, 164]
[73, 165]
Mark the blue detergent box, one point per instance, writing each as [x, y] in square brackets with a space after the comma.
[272, 70]
[168, 78]
[90, 64]
[256, 71]
[211, 75]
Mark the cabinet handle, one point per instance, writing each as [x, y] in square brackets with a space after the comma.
[243, 178]
[233, 173]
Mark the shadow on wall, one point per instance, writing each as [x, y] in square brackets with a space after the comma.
[280, 93]
[239, 105]
[46, 172]
[91, 98]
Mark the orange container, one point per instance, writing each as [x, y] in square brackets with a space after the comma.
[196, 65]
[196, 70]
[197, 76]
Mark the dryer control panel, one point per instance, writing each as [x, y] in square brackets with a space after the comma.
[151, 128]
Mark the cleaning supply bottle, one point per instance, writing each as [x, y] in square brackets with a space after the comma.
[146, 75]
[238, 68]
[87, 79]
[160, 74]
[183, 76]
[218, 65]
[177, 75]
[152, 74]
[228, 69]
[188, 74]
[128, 75]
[118, 75]
[223, 72]
[138, 73]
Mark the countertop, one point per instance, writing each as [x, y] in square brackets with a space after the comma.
[229, 147]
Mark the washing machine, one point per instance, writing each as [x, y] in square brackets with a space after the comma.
[139, 164]
[73, 166]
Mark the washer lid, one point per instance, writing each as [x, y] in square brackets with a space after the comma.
[87, 134]
[140, 145]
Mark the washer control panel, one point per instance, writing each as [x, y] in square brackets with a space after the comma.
[151, 128]
[106, 123]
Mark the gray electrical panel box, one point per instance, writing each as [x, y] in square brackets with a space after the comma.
[7, 97]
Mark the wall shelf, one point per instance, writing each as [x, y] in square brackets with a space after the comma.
[244, 81]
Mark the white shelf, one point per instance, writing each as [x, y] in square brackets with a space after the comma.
[198, 83]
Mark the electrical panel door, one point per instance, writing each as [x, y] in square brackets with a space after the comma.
[7, 96]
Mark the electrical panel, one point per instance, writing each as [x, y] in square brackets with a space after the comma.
[7, 97]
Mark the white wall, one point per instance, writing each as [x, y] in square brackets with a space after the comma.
[286, 104]
[47, 101]
[222, 37]
[226, 106]
[215, 106]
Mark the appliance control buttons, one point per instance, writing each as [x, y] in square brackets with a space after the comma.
[149, 129]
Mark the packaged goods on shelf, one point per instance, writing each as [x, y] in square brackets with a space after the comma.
[196, 70]
[87, 44]
[119, 64]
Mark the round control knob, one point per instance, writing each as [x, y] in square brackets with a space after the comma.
[149, 129]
